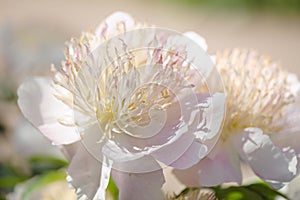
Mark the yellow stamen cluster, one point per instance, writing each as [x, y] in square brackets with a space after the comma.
[115, 89]
[257, 90]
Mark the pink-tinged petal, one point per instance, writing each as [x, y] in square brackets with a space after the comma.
[43, 110]
[191, 156]
[204, 126]
[104, 178]
[288, 141]
[194, 48]
[70, 150]
[136, 186]
[197, 38]
[293, 81]
[290, 122]
[118, 153]
[115, 24]
[271, 163]
[144, 164]
[171, 153]
[88, 152]
[126, 148]
[87, 175]
[223, 167]
[84, 173]
[213, 116]
[188, 177]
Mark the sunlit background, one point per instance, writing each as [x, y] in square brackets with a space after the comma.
[32, 36]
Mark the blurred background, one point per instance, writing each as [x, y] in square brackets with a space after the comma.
[33, 33]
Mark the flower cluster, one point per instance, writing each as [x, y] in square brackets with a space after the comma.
[130, 99]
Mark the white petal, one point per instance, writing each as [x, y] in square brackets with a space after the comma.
[223, 167]
[196, 55]
[110, 26]
[43, 110]
[191, 156]
[197, 38]
[288, 141]
[88, 165]
[292, 80]
[271, 163]
[144, 164]
[125, 147]
[118, 153]
[70, 150]
[104, 178]
[134, 186]
[188, 177]
[204, 126]
[213, 116]
[84, 173]
[171, 153]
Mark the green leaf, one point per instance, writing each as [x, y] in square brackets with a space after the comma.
[257, 191]
[112, 188]
[266, 191]
[237, 193]
[9, 177]
[7, 182]
[42, 164]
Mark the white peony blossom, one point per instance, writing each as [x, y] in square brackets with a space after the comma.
[126, 102]
[261, 127]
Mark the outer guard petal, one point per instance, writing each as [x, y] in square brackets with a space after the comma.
[43, 110]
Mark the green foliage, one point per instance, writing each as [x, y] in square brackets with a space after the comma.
[7, 91]
[285, 6]
[10, 176]
[44, 170]
[257, 191]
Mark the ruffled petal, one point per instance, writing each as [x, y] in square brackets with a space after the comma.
[43, 110]
[84, 173]
[197, 141]
[171, 153]
[212, 117]
[87, 175]
[271, 163]
[191, 156]
[223, 167]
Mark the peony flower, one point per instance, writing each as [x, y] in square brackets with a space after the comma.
[126, 103]
[261, 127]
